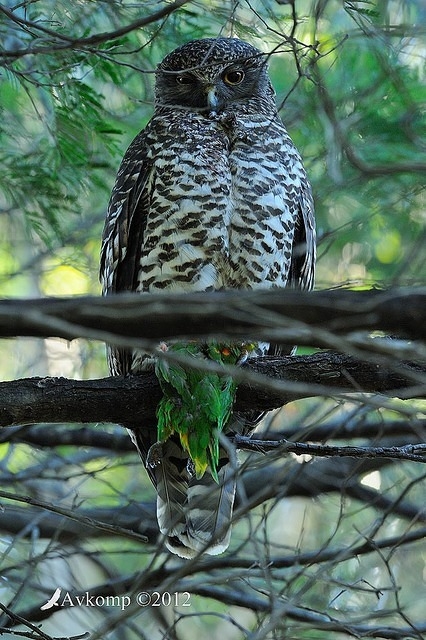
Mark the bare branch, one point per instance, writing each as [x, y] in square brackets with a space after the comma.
[134, 320]
[61, 41]
[413, 452]
[133, 399]
[71, 514]
[49, 435]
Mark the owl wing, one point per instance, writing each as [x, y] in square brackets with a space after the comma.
[302, 266]
[122, 238]
[121, 249]
[303, 256]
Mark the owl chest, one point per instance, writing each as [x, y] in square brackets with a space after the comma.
[213, 202]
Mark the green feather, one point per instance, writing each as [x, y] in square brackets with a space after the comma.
[197, 405]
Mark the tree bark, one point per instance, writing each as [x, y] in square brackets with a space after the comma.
[134, 398]
[307, 317]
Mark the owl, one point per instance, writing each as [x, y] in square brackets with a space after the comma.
[211, 195]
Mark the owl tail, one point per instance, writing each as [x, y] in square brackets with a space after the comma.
[194, 515]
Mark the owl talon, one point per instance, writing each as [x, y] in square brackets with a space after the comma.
[155, 455]
[190, 468]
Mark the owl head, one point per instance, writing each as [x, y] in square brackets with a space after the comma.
[211, 73]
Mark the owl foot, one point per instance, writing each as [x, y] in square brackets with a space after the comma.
[155, 455]
[190, 468]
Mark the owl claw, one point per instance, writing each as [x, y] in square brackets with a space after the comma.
[155, 455]
[190, 468]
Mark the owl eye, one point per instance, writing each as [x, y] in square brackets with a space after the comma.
[233, 77]
[184, 79]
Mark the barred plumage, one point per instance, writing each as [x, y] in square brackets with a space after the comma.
[211, 195]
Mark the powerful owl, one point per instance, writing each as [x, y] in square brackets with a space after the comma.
[211, 195]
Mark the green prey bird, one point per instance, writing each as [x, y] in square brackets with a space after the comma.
[197, 405]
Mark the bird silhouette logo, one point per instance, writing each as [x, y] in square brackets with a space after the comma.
[53, 602]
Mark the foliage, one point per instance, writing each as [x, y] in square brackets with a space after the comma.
[321, 548]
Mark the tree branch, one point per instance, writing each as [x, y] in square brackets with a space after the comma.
[276, 315]
[413, 452]
[133, 399]
[61, 41]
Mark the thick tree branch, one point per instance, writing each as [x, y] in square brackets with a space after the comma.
[133, 399]
[396, 432]
[278, 315]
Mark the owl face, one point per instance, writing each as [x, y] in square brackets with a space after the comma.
[209, 74]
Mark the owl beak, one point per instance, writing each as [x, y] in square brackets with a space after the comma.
[213, 101]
